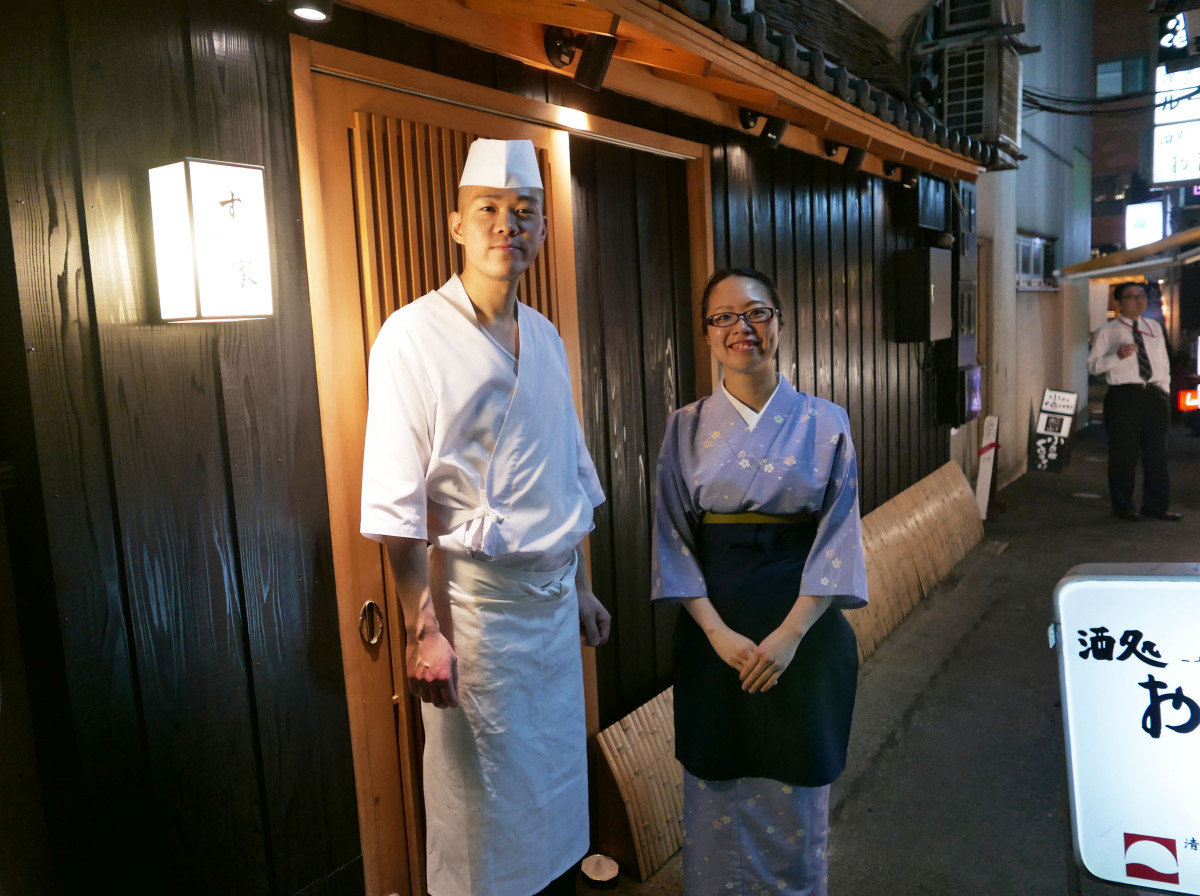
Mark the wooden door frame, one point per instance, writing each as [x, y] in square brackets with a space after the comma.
[388, 810]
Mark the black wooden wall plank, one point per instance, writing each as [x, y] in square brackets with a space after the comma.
[822, 293]
[804, 326]
[739, 195]
[838, 276]
[269, 405]
[783, 188]
[868, 466]
[763, 227]
[896, 425]
[136, 108]
[855, 399]
[684, 329]
[185, 603]
[719, 155]
[66, 564]
[592, 339]
[619, 262]
[659, 257]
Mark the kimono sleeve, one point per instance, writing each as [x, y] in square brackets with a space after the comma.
[836, 566]
[397, 448]
[675, 570]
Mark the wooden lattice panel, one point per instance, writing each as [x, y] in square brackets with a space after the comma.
[406, 184]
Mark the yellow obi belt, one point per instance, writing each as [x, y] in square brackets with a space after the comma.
[751, 516]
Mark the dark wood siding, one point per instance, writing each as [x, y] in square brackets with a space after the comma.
[178, 474]
[635, 331]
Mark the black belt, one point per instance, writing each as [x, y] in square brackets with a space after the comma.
[1140, 387]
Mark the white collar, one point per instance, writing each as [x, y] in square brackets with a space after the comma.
[748, 413]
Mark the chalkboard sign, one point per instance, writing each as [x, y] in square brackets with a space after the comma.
[1050, 439]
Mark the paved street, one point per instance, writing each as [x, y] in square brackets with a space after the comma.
[956, 781]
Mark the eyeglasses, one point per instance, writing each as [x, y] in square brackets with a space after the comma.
[759, 315]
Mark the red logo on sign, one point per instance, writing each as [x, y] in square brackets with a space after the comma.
[1189, 399]
[1151, 858]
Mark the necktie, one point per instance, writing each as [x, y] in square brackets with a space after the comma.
[1143, 359]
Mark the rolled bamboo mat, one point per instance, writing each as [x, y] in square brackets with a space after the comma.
[640, 752]
[911, 543]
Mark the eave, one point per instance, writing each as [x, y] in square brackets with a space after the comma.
[668, 57]
[1177, 249]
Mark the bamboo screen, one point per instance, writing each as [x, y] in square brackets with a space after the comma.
[405, 186]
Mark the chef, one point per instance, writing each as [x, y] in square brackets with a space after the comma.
[477, 482]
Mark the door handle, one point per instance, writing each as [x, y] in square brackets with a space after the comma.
[370, 623]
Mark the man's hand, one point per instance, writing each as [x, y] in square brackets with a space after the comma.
[1125, 349]
[432, 669]
[430, 663]
[594, 620]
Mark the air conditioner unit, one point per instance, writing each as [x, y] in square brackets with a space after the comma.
[973, 15]
[981, 86]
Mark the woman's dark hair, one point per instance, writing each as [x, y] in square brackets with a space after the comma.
[749, 274]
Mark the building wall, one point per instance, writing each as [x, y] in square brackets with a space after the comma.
[1038, 339]
[1054, 183]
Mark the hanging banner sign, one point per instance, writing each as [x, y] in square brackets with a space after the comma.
[1128, 639]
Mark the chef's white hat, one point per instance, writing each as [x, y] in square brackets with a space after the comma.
[511, 164]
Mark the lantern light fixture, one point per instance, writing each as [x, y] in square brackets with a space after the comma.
[211, 244]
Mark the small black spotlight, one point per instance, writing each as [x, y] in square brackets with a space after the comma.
[772, 131]
[560, 45]
[597, 54]
[311, 10]
[747, 118]
[831, 148]
[890, 168]
[855, 156]
[909, 176]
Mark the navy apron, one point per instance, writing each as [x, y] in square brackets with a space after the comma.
[796, 732]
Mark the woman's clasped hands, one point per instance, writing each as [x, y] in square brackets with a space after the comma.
[758, 665]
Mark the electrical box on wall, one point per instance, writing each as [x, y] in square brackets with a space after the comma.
[923, 281]
[959, 395]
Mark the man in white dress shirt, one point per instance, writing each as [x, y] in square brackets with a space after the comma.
[477, 482]
[1131, 352]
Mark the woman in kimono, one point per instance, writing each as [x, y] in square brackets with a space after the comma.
[757, 532]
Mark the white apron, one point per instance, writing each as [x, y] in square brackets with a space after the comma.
[506, 771]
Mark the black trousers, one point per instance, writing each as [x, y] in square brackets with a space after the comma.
[1137, 419]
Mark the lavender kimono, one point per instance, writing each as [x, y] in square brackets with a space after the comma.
[797, 461]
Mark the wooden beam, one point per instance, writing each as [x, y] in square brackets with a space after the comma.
[572, 14]
[418, 82]
[746, 94]
[658, 55]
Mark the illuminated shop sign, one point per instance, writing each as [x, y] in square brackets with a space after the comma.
[1176, 126]
[1143, 223]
